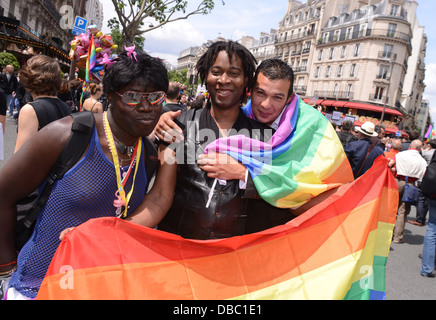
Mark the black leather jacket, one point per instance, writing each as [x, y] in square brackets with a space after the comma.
[230, 213]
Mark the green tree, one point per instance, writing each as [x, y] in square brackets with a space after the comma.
[176, 76]
[8, 58]
[133, 13]
[117, 36]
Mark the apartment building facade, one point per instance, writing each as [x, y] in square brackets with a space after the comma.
[264, 47]
[354, 57]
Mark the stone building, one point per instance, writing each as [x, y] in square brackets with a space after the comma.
[355, 57]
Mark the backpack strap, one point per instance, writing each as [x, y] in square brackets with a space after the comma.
[81, 133]
[151, 160]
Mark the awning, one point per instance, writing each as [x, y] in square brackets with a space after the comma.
[370, 107]
[356, 105]
[328, 103]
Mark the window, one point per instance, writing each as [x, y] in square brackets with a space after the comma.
[394, 10]
[387, 51]
[350, 90]
[336, 35]
[317, 72]
[328, 71]
[391, 30]
[320, 55]
[325, 37]
[344, 52]
[340, 70]
[357, 49]
[378, 93]
[383, 72]
[349, 33]
[332, 53]
[353, 70]
[362, 29]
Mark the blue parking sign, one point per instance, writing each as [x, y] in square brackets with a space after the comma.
[79, 25]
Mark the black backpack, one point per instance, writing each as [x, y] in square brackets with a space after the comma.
[428, 184]
[81, 133]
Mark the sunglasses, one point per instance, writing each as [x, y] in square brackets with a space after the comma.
[132, 99]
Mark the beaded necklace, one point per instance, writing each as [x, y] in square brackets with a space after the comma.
[121, 199]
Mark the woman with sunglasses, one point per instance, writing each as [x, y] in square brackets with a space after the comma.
[110, 179]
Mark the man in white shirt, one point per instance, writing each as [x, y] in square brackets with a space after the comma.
[408, 166]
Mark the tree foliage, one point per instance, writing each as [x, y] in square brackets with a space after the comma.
[8, 58]
[133, 13]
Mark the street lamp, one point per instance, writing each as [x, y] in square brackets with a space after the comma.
[387, 92]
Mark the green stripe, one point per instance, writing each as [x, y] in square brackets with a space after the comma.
[310, 131]
[360, 290]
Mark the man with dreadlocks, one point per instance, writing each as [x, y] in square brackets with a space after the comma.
[203, 208]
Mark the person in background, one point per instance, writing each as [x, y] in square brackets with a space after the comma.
[423, 201]
[396, 147]
[362, 153]
[92, 103]
[9, 82]
[172, 100]
[42, 78]
[345, 135]
[409, 166]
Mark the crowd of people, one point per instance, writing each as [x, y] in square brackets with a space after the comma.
[193, 194]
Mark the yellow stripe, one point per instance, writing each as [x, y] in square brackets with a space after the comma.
[331, 281]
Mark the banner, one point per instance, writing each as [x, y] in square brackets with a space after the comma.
[336, 250]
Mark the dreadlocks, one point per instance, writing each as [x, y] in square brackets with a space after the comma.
[232, 49]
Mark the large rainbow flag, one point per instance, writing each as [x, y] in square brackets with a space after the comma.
[303, 159]
[336, 250]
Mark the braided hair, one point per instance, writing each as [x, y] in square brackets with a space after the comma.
[232, 49]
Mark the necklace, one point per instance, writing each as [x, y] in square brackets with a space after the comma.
[122, 200]
[123, 149]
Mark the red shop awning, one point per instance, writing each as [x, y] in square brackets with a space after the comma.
[370, 107]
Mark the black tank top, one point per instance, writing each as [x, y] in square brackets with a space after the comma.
[49, 110]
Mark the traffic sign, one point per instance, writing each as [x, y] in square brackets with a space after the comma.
[398, 134]
[79, 25]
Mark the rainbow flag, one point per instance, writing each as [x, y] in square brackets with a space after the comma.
[91, 60]
[430, 133]
[336, 250]
[303, 159]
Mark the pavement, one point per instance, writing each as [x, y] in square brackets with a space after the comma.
[403, 280]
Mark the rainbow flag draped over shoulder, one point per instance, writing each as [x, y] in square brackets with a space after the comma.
[303, 159]
[336, 250]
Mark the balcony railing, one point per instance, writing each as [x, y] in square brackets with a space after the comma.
[334, 94]
[384, 33]
[387, 55]
[300, 69]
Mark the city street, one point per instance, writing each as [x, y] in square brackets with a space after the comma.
[404, 281]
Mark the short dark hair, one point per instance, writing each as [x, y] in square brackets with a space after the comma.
[232, 49]
[145, 68]
[275, 69]
[347, 125]
[173, 91]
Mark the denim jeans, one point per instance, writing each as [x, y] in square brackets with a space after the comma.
[428, 251]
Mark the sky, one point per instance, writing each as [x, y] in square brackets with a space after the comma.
[237, 18]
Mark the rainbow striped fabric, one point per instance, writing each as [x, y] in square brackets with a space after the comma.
[91, 60]
[336, 250]
[303, 159]
[430, 133]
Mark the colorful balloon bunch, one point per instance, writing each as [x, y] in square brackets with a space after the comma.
[104, 46]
